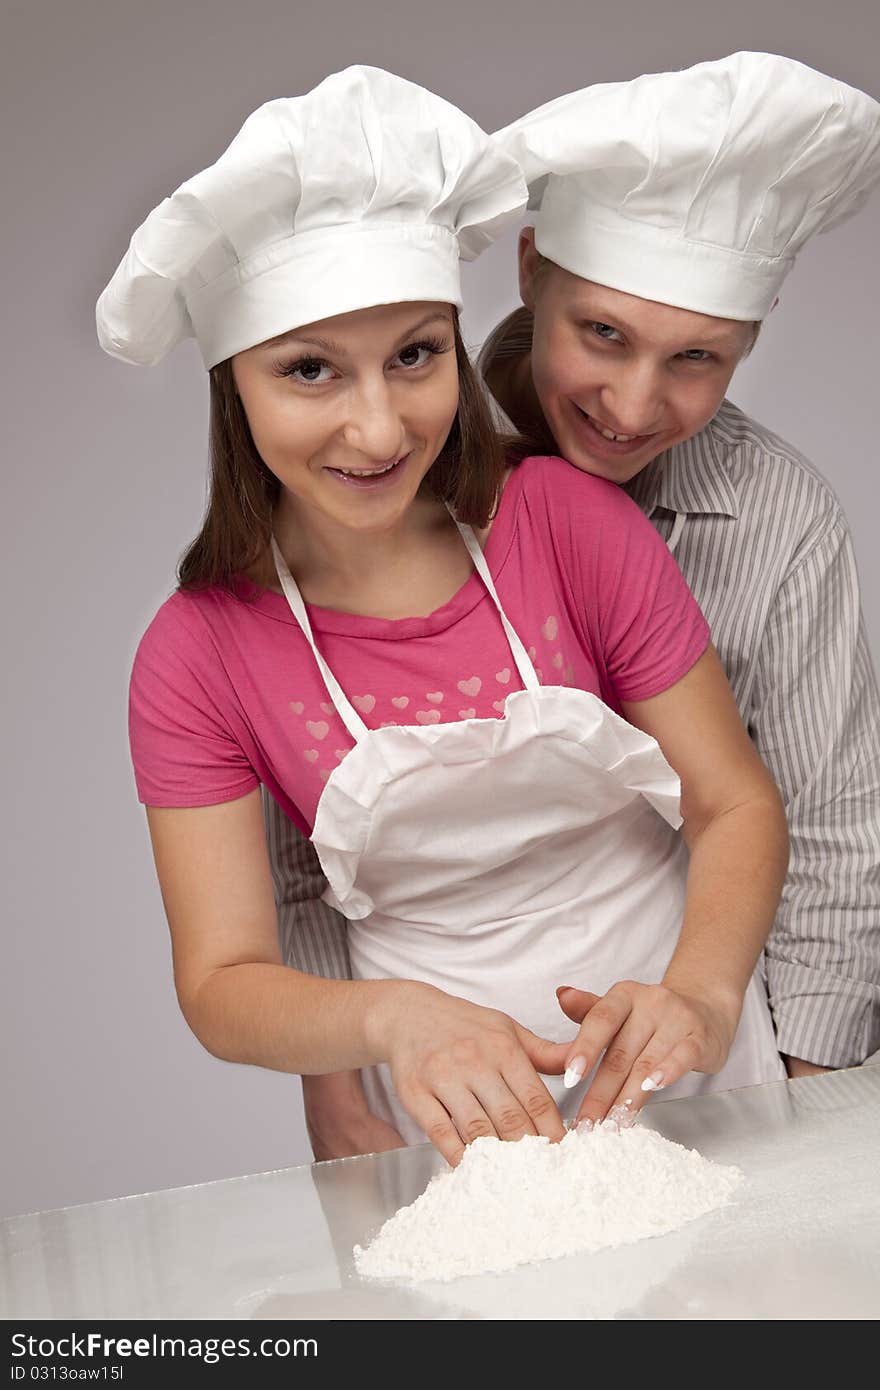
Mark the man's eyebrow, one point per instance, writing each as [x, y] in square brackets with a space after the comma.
[708, 335]
[714, 337]
[336, 349]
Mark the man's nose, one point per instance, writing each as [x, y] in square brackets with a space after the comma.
[632, 400]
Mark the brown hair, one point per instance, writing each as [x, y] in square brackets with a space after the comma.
[237, 528]
[512, 339]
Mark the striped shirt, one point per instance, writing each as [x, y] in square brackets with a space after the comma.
[765, 549]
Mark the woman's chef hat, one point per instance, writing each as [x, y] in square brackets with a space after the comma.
[367, 190]
[697, 188]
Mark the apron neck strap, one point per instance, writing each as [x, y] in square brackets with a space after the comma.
[346, 711]
[527, 672]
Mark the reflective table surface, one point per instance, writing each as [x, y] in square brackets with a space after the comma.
[800, 1240]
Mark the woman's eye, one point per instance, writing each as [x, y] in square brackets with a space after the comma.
[416, 355]
[310, 371]
[605, 330]
[307, 371]
[697, 355]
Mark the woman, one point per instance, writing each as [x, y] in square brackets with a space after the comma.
[478, 848]
[643, 289]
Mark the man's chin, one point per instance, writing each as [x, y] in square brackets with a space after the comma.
[620, 471]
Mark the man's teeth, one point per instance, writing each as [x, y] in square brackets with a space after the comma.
[606, 433]
[609, 434]
[368, 472]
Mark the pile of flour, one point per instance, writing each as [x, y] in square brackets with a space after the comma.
[507, 1204]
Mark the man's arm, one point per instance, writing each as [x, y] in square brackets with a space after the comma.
[816, 722]
[311, 933]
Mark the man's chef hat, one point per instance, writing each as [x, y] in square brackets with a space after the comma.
[365, 191]
[697, 188]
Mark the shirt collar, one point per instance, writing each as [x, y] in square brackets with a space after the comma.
[689, 477]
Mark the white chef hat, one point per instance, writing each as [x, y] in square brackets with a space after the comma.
[365, 191]
[697, 188]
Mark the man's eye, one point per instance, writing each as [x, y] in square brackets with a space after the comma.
[605, 330]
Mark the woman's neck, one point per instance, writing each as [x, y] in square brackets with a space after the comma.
[409, 570]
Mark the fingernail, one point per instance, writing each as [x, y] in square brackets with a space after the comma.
[654, 1082]
[574, 1072]
[619, 1115]
[561, 988]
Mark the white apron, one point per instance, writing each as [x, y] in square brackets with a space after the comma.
[499, 858]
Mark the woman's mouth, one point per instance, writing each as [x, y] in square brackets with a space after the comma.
[601, 440]
[380, 476]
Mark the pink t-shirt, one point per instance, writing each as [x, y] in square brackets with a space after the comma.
[225, 692]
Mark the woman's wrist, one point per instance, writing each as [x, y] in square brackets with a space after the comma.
[390, 1002]
[722, 996]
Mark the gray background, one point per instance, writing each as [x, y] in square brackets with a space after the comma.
[107, 106]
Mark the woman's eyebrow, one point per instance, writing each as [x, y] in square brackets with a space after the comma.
[293, 337]
[336, 349]
[436, 317]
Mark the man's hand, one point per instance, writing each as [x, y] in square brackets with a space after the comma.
[795, 1067]
[339, 1121]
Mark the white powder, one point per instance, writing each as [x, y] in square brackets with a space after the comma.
[507, 1204]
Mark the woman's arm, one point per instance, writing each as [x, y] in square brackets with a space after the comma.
[313, 939]
[460, 1070]
[734, 825]
[238, 998]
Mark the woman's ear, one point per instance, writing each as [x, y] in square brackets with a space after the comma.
[527, 257]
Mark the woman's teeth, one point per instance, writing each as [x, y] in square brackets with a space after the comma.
[368, 472]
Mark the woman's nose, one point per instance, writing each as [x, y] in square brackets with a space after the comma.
[374, 426]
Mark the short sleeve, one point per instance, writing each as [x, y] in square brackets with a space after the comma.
[654, 629]
[182, 747]
[648, 626]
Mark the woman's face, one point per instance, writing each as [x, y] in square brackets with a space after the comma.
[350, 413]
[608, 363]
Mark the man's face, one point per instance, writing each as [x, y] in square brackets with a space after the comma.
[620, 379]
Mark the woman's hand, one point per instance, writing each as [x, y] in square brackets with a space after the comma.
[462, 1071]
[651, 1036]
[339, 1121]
